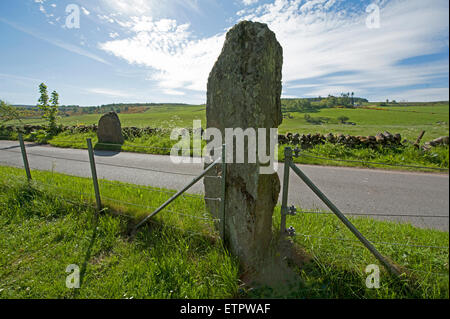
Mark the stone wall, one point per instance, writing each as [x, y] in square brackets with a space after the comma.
[310, 140]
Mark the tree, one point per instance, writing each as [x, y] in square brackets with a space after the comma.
[53, 111]
[49, 111]
[331, 101]
[307, 117]
[343, 119]
[8, 112]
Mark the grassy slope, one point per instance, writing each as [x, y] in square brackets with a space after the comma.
[371, 122]
[180, 256]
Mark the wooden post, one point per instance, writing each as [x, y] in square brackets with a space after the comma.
[24, 157]
[416, 144]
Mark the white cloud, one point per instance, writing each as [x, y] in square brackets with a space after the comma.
[108, 92]
[422, 95]
[169, 48]
[324, 45]
[153, 8]
[249, 2]
[85, 11]
[173, 92]
[318, 41]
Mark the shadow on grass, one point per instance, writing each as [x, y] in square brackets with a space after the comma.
[310, 278]
[88, 255]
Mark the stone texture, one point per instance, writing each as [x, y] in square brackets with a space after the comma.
[443, 140]
[244, 89]
[381, 139]
[109, 129]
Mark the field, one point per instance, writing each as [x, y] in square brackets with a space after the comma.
[50, 223]
[408, 121]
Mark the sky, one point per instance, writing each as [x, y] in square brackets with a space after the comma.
[95, 52]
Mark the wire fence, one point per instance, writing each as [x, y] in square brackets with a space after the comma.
[376, 215]
[377, 242]
[202, 216]
[361, 240]
[303, 154]
[111, 165]
[325, 257]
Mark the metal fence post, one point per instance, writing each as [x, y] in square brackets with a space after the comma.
[284, 204]
[224, 191]
[94, 174]
[346, 222]
[24, 157]
[179, 193]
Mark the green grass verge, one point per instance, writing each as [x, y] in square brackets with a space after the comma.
[438, 157]
[46, 227]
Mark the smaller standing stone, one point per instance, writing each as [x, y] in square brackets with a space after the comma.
[109, 129]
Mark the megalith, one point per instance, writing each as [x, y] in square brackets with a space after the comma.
[244, 91]
[109, 129]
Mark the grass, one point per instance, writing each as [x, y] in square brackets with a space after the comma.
[47, 226]
[160, 143]
[432, 119]
[43, 234]
[408, 121]
[438, 157]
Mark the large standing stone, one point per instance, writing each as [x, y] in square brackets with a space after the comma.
[109, 129]
[244, 89]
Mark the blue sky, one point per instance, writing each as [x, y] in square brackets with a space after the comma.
[162, 51]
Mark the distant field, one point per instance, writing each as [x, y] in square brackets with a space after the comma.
[408, 121]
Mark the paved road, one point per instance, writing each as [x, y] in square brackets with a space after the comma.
[353, 190]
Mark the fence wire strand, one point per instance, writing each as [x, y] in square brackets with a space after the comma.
[370, 163]
[372, 214]
[374, 242]
[180, 229]
[106, 164]
[154, 207]
[307, 236]
[158, 190]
